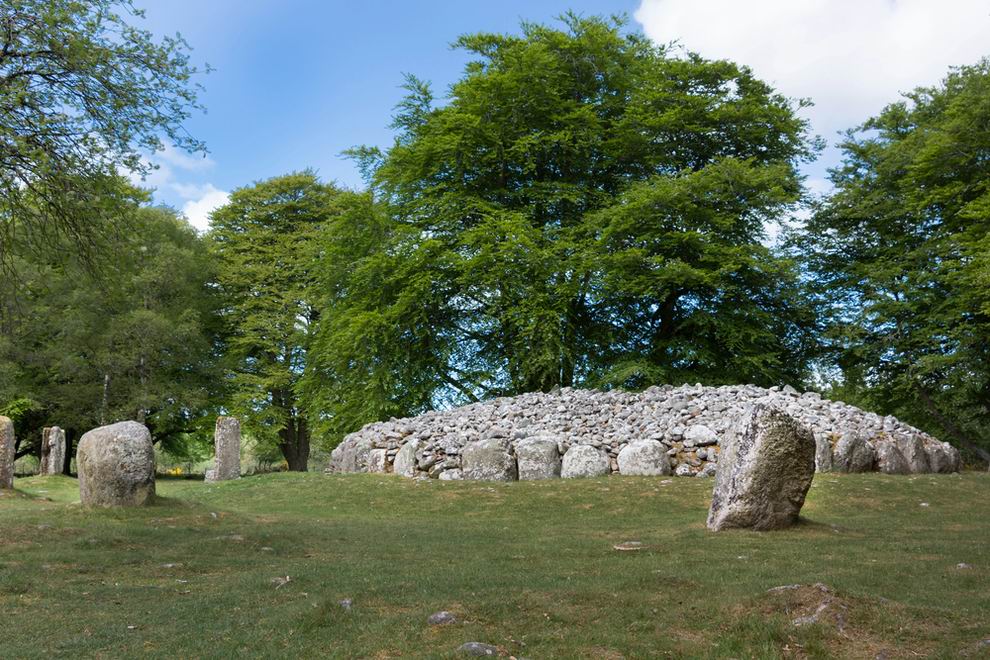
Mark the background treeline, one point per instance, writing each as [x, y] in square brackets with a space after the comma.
[583, 209]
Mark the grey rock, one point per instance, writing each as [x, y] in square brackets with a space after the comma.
[764, 472]
[490, 459]
[227, 447]
[6, 452]
[913, 449]
[853, 454]
[823, 453]
[477, 649]
[709, 470]
[683, 470]
[451, 475]
[116, 466]
[537, 458]
[699, 435]
[943, 458]
[405, 461]
[890, 460]
[584, 461]
[441, 618]
[378, 460]
[644, 457]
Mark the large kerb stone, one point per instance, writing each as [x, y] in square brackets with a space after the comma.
[490, 459]
[764, 471]
[644, 457]
[537, 458]
[584, 461]
[116, 466]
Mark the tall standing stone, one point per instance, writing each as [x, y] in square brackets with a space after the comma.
[6, 452]
[764, 471]
[52, 450]
[116, 466]
[227, 446]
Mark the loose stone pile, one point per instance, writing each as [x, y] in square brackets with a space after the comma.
[663, 430]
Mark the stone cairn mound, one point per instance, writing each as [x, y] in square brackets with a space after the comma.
[662, 430]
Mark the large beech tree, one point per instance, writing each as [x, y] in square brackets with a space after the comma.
[584, 208]
[901, 250]
[264, 244]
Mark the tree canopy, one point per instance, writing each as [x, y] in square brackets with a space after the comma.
[583, 209]
[901, 251]
[83, 94]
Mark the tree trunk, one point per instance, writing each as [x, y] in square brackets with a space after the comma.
[295, 445]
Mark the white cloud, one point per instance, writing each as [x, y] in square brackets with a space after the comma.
[851, 57]
[183, 160]
[207, 198]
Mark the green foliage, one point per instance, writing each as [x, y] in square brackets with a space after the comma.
[82, 93]
[138, 342]
[902, 250]
[264, 244]
[585, 209]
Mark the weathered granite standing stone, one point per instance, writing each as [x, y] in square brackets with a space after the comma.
[644, 457]
[116, 466]
[823, 453]
[890, 460]
[227, 446]
[45, 451]
[853, 454]
[490, 459]
[377, 460]
[56, 450]
[537, 458]
[584, 461]
[764, 471]
[405, 461]
[6, 452]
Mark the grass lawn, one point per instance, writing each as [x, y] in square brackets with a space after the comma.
[528, 567]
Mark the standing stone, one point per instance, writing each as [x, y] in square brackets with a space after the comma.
[644, 457]
[227, 447]
[52, 450]
[853, 454]
[490, 459]
[584, 461]
[6, 452]
[116, 466]
[823, 452]
[764, 471]
[538, 458]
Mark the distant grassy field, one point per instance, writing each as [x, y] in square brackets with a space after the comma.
[528, 567]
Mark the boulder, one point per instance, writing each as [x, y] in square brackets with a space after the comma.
[943, 457]
[584, 461]
[823, 452]
[644, 457]
[405, 461]
[890, 460]
[6, 452]
[377, 460]
[537, 458]
[227, 447]
[699, 435]
[116, 466]
[853, 454]
[913, 449]
[764, 471]
[353, 457]
[490, 459]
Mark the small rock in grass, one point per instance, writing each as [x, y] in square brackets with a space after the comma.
[963, 566]
[441, 618]
[627, 546]
[346, 603]
[280, 582]
[477, 649]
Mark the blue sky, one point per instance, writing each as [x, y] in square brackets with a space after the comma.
[298, 81]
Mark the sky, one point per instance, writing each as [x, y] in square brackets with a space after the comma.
[297, 82]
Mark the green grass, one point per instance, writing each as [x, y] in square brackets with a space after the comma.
[528, 567]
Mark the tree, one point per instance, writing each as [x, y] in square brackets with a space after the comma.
[901, 251]
[138, 342]
[264, 244]
[584, 209]
[82, 94]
